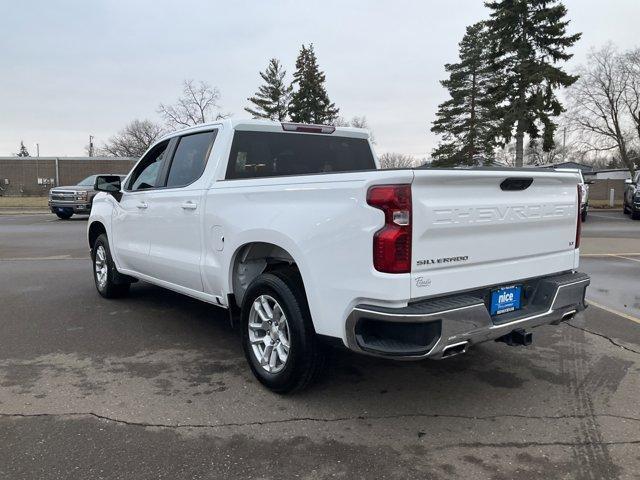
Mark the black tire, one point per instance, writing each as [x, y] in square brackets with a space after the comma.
[584, 215]
[625, 209]
[306, 354]
[64, 216]
[115, 284]
[635, 214]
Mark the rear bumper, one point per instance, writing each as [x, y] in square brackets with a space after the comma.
[429, 329]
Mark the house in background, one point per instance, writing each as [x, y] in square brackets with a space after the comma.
[611, 174]
[586, 169]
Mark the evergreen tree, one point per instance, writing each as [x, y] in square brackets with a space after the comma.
[528, 39]
[271, 101]
[23, 152]
[465, 120]
[310, 102]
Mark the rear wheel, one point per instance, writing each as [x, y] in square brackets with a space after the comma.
[584, 215]
[109, 283]
[625, 209]
[278, 338]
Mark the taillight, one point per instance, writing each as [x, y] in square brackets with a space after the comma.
[392, 243]
[579, 224]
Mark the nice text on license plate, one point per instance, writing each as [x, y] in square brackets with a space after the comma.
[506, 299]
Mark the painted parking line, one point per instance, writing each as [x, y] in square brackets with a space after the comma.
[605, 216]
[610, 255]
[628, 258]
[614, 311]
[33, 259]
[624, 256]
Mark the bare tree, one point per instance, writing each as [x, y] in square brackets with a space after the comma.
[133, 140]
[198, 104]
[396, 160]
[535, 155]
[566, 148]
[359, 122]
[506, 155]
[598, 108]
[631, 66]
[355, 122]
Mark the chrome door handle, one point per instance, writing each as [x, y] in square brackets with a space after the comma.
[189, 206]
[142, 205]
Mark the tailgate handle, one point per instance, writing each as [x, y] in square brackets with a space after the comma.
[514, 183]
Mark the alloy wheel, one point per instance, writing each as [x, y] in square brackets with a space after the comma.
[269, 333]
[102, 269]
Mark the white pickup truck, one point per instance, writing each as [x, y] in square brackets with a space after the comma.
[296, 232]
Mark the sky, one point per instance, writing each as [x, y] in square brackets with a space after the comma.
[71, 69]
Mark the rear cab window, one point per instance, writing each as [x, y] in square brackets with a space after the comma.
[270, 154]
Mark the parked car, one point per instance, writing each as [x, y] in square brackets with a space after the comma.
[584, 191]
[65, 201]
[296, 232]
[631, 202]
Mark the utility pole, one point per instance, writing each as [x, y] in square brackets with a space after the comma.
[91, 145]
[564, 144]
[37, 150]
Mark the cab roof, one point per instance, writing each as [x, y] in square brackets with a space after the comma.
[273, 126]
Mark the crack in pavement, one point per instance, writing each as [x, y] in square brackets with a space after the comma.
[529, 444]
[613, 342]
[309, 419]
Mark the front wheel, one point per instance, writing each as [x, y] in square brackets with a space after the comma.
[109, 283]
[635, 214]
[584, 215]
[278, 337]
[64, 215]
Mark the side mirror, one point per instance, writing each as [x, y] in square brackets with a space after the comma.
[108, 183]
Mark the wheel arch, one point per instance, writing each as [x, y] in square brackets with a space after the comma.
[251, 259]
[96, 229]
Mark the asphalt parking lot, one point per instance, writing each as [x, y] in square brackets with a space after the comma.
[155, 385]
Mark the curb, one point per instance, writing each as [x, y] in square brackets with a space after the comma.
[8, 211]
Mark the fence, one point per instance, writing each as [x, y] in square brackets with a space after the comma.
[599, 190]
[34, 176]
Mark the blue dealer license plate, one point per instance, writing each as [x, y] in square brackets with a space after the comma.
[506, 299]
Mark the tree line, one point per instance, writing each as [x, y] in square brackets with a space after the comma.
[510, 99]
[303, 100]
[604, 109]
[503, 87]
[504, 106]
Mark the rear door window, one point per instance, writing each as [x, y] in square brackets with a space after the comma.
[269, 154]
[190, 158]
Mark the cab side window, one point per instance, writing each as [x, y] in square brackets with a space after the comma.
[146, 174]
[190, 158]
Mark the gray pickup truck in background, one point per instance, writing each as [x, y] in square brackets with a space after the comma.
[65, 201]
[631, 204]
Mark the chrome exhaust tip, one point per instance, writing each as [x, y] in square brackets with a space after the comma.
[569, 315]
[455, 349]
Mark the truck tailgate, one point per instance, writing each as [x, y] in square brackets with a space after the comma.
[468, 232]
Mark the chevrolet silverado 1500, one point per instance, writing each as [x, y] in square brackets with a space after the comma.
[65, 201]
[295, 230]
[631, 202]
